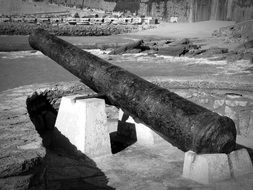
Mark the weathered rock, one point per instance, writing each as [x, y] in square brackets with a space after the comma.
[184, 41]
[133, 51]
[176, 50]
[246, 45]
[128, 47]
[216, 50]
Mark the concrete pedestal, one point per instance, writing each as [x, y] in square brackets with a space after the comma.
[83, 122]
[240, 162]
[145, 135]
[211, 168]
[206, 168]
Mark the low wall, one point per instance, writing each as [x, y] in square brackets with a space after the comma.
[236, 105]
[10, 28]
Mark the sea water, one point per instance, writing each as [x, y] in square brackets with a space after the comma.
[29, 67]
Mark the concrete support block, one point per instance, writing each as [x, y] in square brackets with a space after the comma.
[211, 168]
[83, 122]
[145, 135]
[240, 162]
[206, 168]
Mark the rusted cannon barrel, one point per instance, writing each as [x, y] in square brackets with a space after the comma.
[186, 125]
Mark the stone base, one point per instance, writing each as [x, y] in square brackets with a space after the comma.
[240, 163]
[211, 168]
[83, 122]
[145, 135]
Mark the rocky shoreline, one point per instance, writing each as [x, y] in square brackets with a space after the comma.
[188, 48]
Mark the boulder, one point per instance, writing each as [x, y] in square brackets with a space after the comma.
[127, 47]
[176, 50]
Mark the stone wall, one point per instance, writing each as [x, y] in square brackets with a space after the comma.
[11, 28]
[236, 105]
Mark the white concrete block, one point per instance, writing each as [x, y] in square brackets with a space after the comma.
[83, 122]
[206, 168]
[240, 162]
[145, 135]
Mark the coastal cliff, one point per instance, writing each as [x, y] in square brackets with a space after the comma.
[185, 10]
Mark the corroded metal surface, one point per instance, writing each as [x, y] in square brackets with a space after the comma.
[186, 125]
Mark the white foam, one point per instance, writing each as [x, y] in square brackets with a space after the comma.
[97, 51]
[19, 54]
[191, 60]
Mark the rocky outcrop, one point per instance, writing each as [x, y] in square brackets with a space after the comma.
[128, 47]
[188, 48]
[238, 32]
[162, 47]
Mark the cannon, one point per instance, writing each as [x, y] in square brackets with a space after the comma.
[183, 123]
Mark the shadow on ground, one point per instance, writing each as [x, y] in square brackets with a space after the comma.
[66, 167]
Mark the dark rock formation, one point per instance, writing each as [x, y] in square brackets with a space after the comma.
[127, 47]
